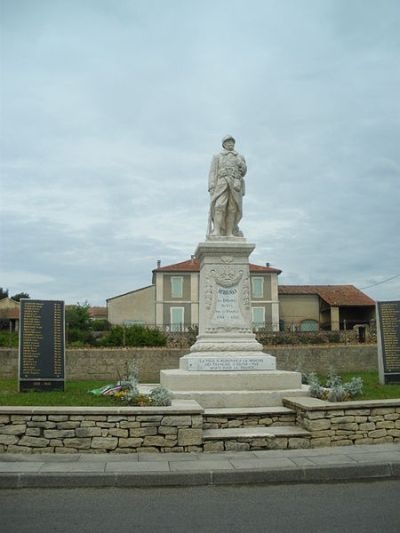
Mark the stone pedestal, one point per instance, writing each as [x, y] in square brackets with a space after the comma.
[226, 366]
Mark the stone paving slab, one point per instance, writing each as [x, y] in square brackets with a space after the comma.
[145, 470]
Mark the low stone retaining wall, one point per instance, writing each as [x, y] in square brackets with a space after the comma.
[347, 423]
[186, 427]
[101, 430]
[110, 363]
[256, 417]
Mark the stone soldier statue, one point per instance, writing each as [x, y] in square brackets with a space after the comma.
[226, 187]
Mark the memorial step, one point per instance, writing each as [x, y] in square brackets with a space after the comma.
[238, 398]
[255, 438]
[236, 380]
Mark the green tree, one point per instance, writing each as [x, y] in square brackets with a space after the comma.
[77, 316]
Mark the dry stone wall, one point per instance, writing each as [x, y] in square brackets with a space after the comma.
[348, 423]
[92, 430]
[110, 363]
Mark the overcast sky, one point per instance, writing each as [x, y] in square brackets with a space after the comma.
[112, 109]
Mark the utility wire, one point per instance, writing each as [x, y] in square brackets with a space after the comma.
[380, 282]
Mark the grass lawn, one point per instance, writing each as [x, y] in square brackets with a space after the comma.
[76, 392]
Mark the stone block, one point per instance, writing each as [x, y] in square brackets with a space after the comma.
[105, 443]
[113, 418]
[158, 440]
[320, 443]
[76, 417]
[368, 426]
[317, 425]
[20, 418]
[394, 432]
[383, 411]
[129, 442]
[334, 413]
[118, 432]
[45, 425]
[58, 418]
[8, 439]
[376, 434]
[88, 423]
[58, 433]
[258, 443]
[234, 424]
[190, 437]
[66, 450]
[352, 426]
[393, 416]
[96, 418]
[342, 419]
[298, 443]
[149, 418]
[278, 443]
[129, 424]
[70, 424]
[197, 421]
[360, 419]
[233, 446]
[13, 429]
[39, 418]
[4, 419]
[387, 424]
[180, 420]
[33, 432]
[33, 442]
[343, 442]
[88, 432]
[267, 421]
[214, 446]
[142, 432]
[397, 424]
[80, 444]
[56, 442]
[168, 430]
[19, 449]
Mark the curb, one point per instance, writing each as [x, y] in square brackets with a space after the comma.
[317, 474]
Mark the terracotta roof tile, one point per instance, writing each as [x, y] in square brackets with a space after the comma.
[193, 265]
[337, 295]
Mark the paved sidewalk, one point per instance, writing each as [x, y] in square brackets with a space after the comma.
[226, 468]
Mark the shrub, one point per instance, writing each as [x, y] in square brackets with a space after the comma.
[334, 389]
[135, 335]
[9, 339]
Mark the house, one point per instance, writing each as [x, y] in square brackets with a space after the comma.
[172, 301]
[9, 312]
[328, 307]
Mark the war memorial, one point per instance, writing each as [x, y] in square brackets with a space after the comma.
[226, 366]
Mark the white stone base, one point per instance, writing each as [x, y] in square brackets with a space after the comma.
[253, 380]
[255, 388]
[227, 361]
[245, 398]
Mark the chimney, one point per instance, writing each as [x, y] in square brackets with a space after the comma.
[158, 263]
[192, 258]
[267, 264]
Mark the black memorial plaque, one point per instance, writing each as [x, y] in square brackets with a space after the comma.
[41, 345]
[389, 341]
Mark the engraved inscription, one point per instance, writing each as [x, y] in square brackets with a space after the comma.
[215, 364]
[389, 320]
[41, 343]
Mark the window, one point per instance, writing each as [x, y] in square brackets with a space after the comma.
[309, 325]
[177, 315]
[258, 316]
[176, 287]
[257, 287]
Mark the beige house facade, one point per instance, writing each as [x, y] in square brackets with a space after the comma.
[172, 302]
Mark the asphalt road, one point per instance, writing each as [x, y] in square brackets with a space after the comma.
[350, 507]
